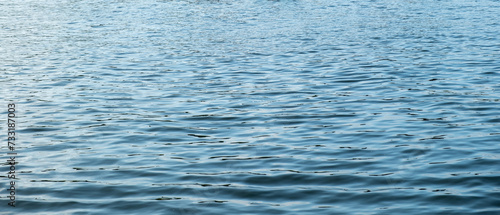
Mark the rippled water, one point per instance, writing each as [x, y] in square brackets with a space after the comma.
[253, 106]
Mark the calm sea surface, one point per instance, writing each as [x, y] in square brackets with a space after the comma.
[252, 106]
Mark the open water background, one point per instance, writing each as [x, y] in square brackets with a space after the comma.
[252, 106]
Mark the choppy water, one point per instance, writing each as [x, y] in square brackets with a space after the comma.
[253, 106]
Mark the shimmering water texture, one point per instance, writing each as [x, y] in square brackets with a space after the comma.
[253, 106]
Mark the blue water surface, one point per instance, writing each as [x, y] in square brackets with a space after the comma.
[252, 106]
